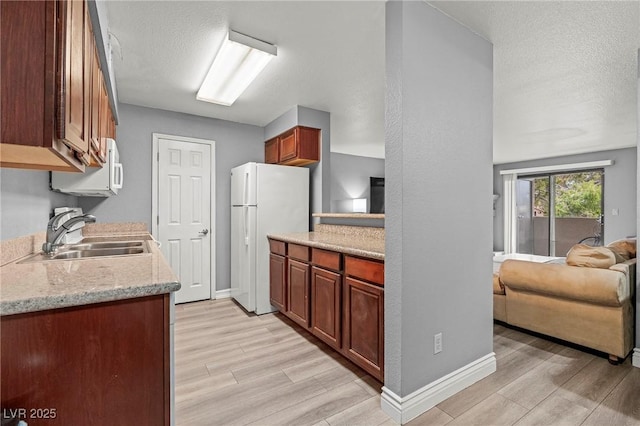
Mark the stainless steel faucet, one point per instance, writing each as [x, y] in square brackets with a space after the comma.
[56, 230]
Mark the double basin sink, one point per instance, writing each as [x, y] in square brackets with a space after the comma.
[86, 250]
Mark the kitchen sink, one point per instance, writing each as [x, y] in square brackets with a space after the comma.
[75, 254]
[106, 245]
[91, 250]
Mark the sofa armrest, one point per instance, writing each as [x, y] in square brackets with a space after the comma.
[628, 268]
[594, 285]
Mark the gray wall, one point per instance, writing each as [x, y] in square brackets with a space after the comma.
[235, 144]
[638, 215]
[619, 192]
[438, 124]
[320, 172]
[26, 202]
[350, 177]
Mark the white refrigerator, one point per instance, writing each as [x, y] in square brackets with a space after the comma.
[265, 199]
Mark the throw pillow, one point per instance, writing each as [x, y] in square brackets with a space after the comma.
[591, 257]
[626, 248]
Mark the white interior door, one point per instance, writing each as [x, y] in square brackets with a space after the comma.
[184, 214]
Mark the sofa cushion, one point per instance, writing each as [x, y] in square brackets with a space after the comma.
[592, 257]
[625, 248]
[498, 287]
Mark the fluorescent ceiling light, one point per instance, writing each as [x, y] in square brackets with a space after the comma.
[236, 65]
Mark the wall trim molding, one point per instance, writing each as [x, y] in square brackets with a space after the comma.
[223, 294]
[635, 361]
[404, 409]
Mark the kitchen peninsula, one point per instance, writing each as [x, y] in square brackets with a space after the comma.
[84, 340]
[331, 282]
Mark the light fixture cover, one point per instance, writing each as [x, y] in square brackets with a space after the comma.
[237, 63]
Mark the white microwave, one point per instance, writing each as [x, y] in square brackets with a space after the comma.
[94, 182]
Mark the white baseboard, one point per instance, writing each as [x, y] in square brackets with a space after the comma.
[636, 357]
[223, 294]
[404, 409]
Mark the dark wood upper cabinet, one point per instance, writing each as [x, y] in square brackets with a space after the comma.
[95, 141]
[295, 147]
[75, 70]
[272, 151]
[48, 60]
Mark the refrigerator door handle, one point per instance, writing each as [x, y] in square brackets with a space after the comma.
[245, 225]
[245, 189]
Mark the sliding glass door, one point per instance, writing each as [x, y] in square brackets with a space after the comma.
[556, 211]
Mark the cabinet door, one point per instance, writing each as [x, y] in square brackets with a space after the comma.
[74, 112]
[28, 98]
[271, 151]
[326, 289]
[115, 364]
[105, 116]
[94, 122]
[364, 326]
[277, 281]
[288, 145]
[298, 292]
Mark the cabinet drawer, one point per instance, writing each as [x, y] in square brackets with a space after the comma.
[365, 269]
[326, 259]
[277, 247]
[299, 252]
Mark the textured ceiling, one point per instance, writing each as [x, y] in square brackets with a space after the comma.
[330, 57]
[565, 73]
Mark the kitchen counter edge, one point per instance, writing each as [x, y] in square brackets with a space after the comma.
[362, 247]
[37, 304]
[151, 286]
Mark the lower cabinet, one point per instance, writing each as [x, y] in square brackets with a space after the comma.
[105, 363]
[298, 289]
[364, 325]
[326, 316]
[339, 298]
[277, 281]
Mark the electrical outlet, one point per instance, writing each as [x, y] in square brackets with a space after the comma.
[437, 343]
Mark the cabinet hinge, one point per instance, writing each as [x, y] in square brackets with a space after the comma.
[158, 220]
[158, 157]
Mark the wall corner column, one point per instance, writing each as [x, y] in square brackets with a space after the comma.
[438, 176]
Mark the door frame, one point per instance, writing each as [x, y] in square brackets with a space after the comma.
[212, 210]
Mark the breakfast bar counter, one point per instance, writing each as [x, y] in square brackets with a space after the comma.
[356, 241]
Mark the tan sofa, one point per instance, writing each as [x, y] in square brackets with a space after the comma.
[590, 305]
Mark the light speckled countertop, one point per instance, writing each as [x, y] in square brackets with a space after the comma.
[37, 286]
[356, 245]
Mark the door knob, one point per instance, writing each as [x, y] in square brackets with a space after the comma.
[204, 232]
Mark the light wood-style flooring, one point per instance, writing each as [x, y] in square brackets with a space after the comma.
[234, 368]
